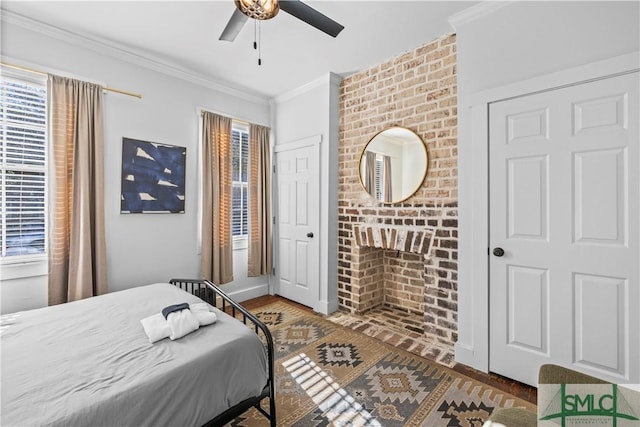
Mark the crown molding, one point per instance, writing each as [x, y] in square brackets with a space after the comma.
[329, 77]
[477, 11]
[335, 79]
[127, 54]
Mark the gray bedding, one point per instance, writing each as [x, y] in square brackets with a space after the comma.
[89, 363]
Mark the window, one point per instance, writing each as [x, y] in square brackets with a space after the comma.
[23, 165]
[240, 141]
[379, 176]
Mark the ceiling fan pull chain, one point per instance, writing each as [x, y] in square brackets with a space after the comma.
[259, 43]
[255, 43]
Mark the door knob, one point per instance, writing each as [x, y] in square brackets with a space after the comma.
[310, 235]
[498, 252]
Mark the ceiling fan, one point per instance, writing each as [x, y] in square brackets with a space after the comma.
[267, 9]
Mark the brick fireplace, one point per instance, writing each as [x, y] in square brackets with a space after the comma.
[402, 256]
[388, 266]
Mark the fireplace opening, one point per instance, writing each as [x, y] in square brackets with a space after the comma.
[389, 267]
[392, 288]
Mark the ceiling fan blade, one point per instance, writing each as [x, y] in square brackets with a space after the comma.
[311, 16]
[235, 24]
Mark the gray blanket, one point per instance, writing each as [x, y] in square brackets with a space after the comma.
[89, 363]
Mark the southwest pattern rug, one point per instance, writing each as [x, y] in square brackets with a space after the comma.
[329, 375]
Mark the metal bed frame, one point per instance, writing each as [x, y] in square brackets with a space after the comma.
[213, 295]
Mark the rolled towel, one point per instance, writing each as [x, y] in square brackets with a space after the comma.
[201, 312]
[156, 327]
[181, 323]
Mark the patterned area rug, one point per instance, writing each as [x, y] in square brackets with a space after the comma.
[328, 375]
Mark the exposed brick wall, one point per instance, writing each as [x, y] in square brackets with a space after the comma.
[403, 284]
[416, 90]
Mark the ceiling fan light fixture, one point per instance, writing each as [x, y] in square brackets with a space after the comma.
[258, 9]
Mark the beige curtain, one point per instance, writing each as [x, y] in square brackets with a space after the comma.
[77, 260]
[386, 162]
[370, 172]
[217, 241]
[259, 201]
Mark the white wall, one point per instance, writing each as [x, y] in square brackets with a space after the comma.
[525, 39]
[141, 248]
[517, 42]
[309, 111]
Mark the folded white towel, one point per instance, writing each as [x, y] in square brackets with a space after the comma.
[202, 313]
[158, 328]
[181, 323]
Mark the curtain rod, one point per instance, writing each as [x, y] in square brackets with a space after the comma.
[31, 70]
[235, 119]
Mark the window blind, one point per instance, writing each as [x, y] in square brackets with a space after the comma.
[23, 163]
[240, 220]
[379, 176]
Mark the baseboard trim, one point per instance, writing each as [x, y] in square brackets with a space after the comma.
[250, 293]
[464, 354]
[326, 307]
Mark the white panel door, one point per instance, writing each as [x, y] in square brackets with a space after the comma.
[564, 220]
[297, 216]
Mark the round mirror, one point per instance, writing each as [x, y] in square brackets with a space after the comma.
[393, 165]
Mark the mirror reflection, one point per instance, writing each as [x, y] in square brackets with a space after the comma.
[393, 165]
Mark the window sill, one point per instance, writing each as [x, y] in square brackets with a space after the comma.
[20, 267]
[240, 243]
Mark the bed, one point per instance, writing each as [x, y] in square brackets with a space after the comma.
[89, 362]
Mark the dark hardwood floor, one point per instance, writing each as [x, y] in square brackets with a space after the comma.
[523, 391]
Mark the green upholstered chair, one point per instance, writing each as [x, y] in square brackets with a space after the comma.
[548, 374]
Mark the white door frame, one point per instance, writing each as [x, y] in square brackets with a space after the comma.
[314, 142]
[472, 348]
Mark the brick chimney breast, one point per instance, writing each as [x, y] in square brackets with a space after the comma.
[417, 90]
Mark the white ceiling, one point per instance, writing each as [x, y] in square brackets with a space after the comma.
[184, 34]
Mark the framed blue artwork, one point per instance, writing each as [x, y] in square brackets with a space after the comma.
[152, 177]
